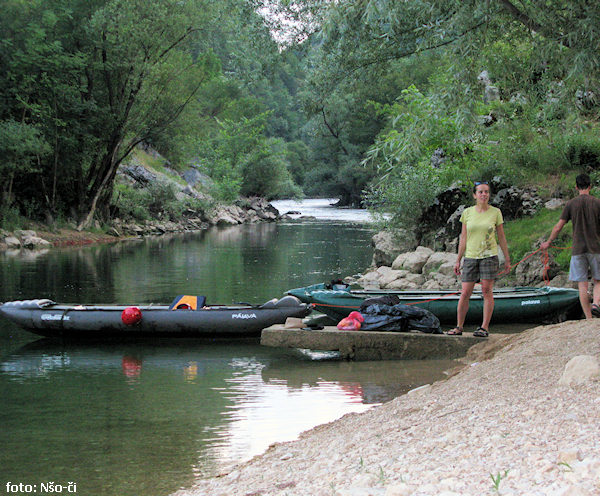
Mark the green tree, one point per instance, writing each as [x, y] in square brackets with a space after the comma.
[541, 55]
[97, 78]
[22, 148]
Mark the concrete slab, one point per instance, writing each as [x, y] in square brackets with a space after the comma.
[371, 345]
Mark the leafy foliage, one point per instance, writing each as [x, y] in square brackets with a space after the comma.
[408, 180]
[276, 98]
[543, 68]
[85, 82]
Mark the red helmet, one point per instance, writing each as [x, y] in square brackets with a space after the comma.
[131, 315]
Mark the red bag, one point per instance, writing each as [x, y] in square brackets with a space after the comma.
[351, 323]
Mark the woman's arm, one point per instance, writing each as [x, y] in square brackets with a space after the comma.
[462, 245]
[503, 245]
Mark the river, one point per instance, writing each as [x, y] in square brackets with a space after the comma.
[148, 417]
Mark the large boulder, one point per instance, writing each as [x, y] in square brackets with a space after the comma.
[189, 191]
[517, 202]
[370, 280]
[12, 243]
[440, 262]
[25, 233]
[263, 209]
[491, 93]
[402, 284]
[225, 215]
[437, 214]
[580, 369]
[387, 275]
[194, 176]
[412, 261]
[531, 272]
[34, 242]
[138, 173]
[387, 246]
[445, 281]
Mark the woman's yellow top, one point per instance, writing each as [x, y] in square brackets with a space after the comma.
[481, 231]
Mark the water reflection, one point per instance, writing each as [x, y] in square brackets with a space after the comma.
[146, 418]
[251, 263]
[140, 411]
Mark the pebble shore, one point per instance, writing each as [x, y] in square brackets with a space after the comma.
[503, 424]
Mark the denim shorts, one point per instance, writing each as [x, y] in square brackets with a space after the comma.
[476, 269]
[582, 265]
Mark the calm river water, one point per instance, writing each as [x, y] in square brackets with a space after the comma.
[147, 418]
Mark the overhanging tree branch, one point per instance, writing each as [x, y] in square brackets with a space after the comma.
[520, 16]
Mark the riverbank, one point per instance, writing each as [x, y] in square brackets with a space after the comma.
[38, 236]
[502, 425]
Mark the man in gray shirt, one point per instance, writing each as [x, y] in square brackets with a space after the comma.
[584, 212]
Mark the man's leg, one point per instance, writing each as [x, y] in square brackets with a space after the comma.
[578, 272]
[584, 299]
[594, 261]
[596, 293]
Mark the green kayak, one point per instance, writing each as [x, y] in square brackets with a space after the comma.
[519, 304]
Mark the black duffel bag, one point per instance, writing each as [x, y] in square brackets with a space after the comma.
[399, 318]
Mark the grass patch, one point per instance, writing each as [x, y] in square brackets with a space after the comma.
[523, 234]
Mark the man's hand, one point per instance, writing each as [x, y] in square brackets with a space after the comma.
[545, 245]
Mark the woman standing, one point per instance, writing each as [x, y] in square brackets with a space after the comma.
[480, 226]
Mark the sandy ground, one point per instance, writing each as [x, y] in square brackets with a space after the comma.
[501, 425]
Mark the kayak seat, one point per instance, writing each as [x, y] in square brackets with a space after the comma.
[30, 304]
[188, 302]
[286, 301]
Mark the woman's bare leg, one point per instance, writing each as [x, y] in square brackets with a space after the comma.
[487, 288]
[463, 303]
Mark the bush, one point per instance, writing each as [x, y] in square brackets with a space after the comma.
[162, 201]
[159, 201]
[130, 203]
[10, 218]
[583, 151]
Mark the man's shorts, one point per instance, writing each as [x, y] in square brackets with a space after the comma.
[476, 269]
[582, 265]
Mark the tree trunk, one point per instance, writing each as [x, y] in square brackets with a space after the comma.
[101, 182]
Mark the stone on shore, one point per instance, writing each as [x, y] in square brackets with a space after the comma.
[440, 262]
[12, 242]
[530, 271]
[34, 242]
[413, 261]
[419, 269]
[580, 369]
[387, 247]
[251, 210]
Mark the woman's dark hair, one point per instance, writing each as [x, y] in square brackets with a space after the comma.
[479, 183]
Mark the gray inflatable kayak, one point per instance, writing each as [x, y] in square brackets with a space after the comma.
[48, 318]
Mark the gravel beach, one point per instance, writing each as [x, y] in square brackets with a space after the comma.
[510, 422]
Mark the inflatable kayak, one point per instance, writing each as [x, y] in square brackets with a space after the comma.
[519, 304]
[187, 316]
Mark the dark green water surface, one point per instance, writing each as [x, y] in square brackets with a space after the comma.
[148, 417]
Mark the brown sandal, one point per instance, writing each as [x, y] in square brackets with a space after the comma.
[481, 333]
[457, 331]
